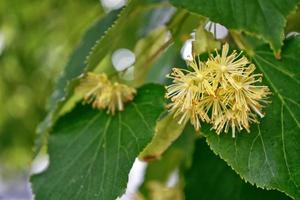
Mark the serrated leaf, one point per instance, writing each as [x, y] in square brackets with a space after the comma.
[91, 152]
[270, 155]
[114, 27]
[265, 19]
[76, 63]
[75, 66]
[122, 34]
[101, 47]
[210, 178]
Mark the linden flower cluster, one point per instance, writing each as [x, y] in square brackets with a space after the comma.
[103, 93]
[223, 91]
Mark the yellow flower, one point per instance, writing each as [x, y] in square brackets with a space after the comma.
[187, 89]
[225, 67]
[185, 113]
[102, 93]
[202, 76]
[183, 88]
[223, 92]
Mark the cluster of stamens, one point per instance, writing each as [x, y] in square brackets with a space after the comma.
[222, 91]
[103, 93]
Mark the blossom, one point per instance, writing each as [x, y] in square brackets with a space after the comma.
[187, 89]
[102, 93]
[223, 91]
[225, 66]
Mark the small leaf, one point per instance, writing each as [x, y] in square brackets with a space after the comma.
[163, 65]
[270, 155]
[91, 152]
[178, 156]
[265, 19]
[166, 132]
[210, 178]
[147, 50]
[125, 31]
[204, 41]
[181, 26]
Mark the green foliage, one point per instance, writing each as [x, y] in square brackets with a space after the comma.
[166, 132]
[293, 22]
[178, 156]
[90, 56]
[204, 41]
[66, 83]
[210, 178]
[269, 156]
[264, 19]
[91, 152]
[126, 26]
[154, 45]
[36, 40]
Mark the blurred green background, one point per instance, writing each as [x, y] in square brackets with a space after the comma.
[36, 38]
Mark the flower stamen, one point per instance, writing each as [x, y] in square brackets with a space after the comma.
[221, 91]
[102, 93]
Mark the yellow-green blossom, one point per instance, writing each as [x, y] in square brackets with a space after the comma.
[222, 91]
[102, 93]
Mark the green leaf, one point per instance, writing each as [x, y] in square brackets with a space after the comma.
[293, 23]
[163, 65]
[270, 155]
[91, 153]
[147, 50]
[210, 178]
[123, 33]
[166, 132]
[265, 19]
[178, 156]
[181, 26]
[75, 66]
[114, 27]
[105, 44]
[204, 41]
[76, 63]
